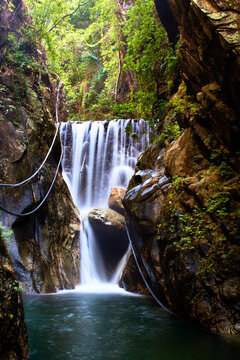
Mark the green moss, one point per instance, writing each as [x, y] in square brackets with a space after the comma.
[205, 225]
[6, 234]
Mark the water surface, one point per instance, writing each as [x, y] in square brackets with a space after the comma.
[78, 326]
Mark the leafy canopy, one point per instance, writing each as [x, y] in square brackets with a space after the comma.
[113, 57]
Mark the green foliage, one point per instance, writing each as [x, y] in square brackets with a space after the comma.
[172, 61]
[6, 234]
[201, 227]
[150, 58]
[217, 203]
[171, 131]
[177, 182]
[120, 45]
[219, 158]
[147, 55]
[198, 158]
[18, 286]
[182, 103]
[129, 131]
[19, 50]
[193, 228]
[111, 62]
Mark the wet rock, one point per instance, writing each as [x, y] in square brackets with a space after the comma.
[106, 219]
[13, 333]
[210, 298]
[41, 262]
[209, 54]
[115, 199]
[111, 236]
[45, 247]
[144, 200]
[231, 289]
[46, 244]
[131, 279]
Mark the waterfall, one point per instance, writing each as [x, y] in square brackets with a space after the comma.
[96, 157]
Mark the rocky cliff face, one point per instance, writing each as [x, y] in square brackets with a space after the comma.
[13, 336]
[184, 200]
[45, 245]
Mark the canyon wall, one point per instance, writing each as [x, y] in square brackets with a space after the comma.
[13, 334]
[183, 200]
[44, 246]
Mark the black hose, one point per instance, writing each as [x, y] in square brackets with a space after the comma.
[36, 172]
[44, 199]
[40, 167]
[154, 295]
[49, 151]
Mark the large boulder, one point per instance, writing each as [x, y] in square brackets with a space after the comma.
[106, 220]
[145, 194]
[45, 247]
[110, 233]
[115, 199]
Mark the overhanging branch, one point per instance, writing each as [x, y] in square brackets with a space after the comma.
[63, 17]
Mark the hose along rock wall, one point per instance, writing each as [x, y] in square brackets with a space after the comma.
[44, 246]
[184, 198]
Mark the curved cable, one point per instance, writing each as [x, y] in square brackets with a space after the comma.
[44, 199]
[40, 167]
[141, 273]
[49, 151]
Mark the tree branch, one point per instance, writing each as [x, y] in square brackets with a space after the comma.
[118, 78]
[122, 12]
[63, 17]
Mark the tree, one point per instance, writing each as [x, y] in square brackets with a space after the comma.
[110, 54]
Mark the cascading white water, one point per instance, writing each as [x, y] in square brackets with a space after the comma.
[98, 156]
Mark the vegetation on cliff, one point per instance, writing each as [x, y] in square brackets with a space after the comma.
[28, 100]
[114, 57]
[191, 240]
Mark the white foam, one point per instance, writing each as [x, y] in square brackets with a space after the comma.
[102, 156]
[103, 288]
